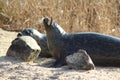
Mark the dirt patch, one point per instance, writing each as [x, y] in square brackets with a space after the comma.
[12, 69]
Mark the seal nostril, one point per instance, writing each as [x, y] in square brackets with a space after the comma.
[45, 20]
[19, 34]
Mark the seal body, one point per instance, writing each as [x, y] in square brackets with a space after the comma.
[104, 50]
[39, 37]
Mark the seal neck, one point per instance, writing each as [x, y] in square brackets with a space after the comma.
[58, 29]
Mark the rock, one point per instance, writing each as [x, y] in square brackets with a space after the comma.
[24, 48]
[40, 38]
[80, 60]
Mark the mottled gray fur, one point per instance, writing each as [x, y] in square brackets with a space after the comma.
[103, 49]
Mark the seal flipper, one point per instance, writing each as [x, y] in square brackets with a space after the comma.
[58, 63]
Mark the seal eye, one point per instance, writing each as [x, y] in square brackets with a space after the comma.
[26, 32]
[30, 32]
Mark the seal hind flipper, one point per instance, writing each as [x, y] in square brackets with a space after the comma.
[58, 63]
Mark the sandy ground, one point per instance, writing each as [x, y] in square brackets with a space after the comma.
[12, 69]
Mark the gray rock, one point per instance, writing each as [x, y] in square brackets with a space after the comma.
[80, 60]
[24, 48]
[39, 37]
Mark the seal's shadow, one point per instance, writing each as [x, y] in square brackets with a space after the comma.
[9, 59]
[45, 62]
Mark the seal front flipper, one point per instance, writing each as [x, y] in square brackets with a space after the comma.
[58, 63]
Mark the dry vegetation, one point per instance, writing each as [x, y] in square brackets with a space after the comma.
[73, 15]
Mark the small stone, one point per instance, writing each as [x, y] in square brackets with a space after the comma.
[24, 48]
[80, 60]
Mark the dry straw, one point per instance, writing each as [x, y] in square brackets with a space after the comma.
[73, 15]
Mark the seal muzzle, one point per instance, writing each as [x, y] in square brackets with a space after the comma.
[46, 20]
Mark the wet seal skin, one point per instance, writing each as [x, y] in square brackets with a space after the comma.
[104, 50]
[39, 37]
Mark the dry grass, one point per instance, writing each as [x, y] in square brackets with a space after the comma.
[73, 15]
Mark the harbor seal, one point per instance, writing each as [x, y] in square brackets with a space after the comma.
[39, 37]
[103, 49]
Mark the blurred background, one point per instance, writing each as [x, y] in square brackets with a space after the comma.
[72, 15]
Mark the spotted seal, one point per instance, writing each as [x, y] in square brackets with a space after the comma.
[103, 49]
[39, 37]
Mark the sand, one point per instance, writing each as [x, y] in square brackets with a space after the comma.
[13, 69]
